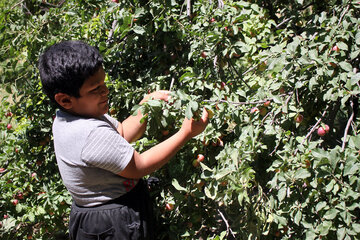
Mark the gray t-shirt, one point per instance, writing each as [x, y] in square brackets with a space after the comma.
[90, 152]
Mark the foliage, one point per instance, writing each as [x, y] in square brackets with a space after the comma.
[271, 72]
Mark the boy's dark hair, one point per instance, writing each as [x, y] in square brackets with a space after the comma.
[66, 65]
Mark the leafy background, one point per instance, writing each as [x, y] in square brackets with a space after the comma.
[272, 72]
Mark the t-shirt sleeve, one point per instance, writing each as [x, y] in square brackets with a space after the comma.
[111, 120]
[105, 148]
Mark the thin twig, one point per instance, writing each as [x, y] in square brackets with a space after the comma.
[343, 14]
[284, 21]
[247, 103]
[188, 8]
[19, 3]
[113, 26]
[239, 74]
[313, 36]
[255, 66]
[220, 4]
[348, 126]
[289, 97]
[276, 147]
[172, 83]
[227, 224]
[312, 129]
[28, 11]
[53, 5]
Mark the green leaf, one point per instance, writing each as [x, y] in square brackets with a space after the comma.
[154, 103]
[204, 167]
[355, 78]
[356, 227]
[302, 174]
[354, 54]
[342, 46]
[298, 217]
[282, 193]
[350, 169]
[319, 153]
[346, 66]
[31, 217]
[222, 174]
[177, 186]
[330, 186]
[331, 214]
[139, 30]
[194, 105]
[324, 227]
[320, 206]
[340, 233]
[310, 235]
[188, 112]
[40, 211]
[19, 207]
[208, 193]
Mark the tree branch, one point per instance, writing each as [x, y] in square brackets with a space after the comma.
[53, 5]
[231, 65]
[348, 125]
[111, 33]
[228, 229]
[343, 14]
[284, 21]
[247, 103]
[188, 8]
[312, 129]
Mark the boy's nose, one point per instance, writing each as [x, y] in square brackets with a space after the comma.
[105, 91]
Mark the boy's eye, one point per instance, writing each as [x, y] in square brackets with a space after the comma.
[96, 89]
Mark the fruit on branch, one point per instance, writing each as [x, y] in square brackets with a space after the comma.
[113, 111]
[169, 206]
[254, 109]
[322, 131]
[195, 163]
[333, 64]
[299, 118]
[210, 113]
[282, 90]
[19, 195]
[222, 85]
[200, 157]
[335, 49]
[203, 55]
[267, 103]
[327, 128]
[262, 66]
[165, 132]
[263, 111]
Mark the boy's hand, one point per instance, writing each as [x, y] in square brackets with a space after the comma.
[192, 128]
[160, 95]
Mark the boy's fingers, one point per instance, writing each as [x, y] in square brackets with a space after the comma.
[162, 94]
[205, 115]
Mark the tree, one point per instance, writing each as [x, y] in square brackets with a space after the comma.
[255, 65]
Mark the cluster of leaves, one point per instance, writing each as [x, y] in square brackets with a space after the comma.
[271, 73]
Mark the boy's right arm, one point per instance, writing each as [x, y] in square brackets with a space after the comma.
[154, 158]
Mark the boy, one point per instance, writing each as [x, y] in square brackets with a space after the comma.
[100, 169]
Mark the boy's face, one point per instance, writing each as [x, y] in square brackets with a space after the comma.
[93, 100]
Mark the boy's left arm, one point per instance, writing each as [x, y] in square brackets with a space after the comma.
[131, 128]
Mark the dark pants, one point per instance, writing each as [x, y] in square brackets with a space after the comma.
[127, 217]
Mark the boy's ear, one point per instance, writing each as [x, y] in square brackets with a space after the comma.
[64, 100]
